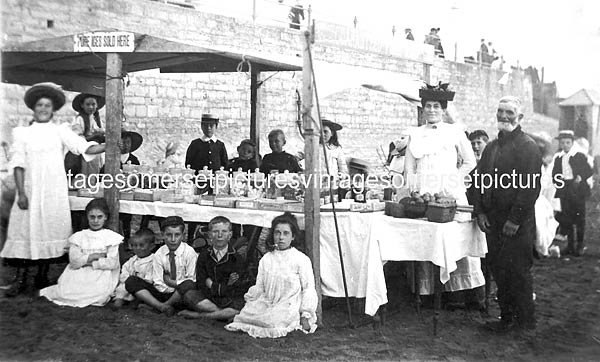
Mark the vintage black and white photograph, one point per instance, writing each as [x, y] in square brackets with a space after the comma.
[297, 180]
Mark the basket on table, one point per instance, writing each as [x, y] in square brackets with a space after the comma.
[394, 209]
[415, 211]
[440, 212]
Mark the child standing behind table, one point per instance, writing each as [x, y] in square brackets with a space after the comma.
[207, 150]
[139, 265]
[93, 270]
[173, 263]
[278, 159]
[248, 159]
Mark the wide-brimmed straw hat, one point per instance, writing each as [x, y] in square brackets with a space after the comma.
[332, 125]
[45, 90]
[78, 101]
[136, 139]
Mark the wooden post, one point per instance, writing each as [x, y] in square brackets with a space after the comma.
[312, 204]
[255, 109]
[114, 117]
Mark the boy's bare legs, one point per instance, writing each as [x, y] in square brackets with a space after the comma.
[166, 308]
[209, 310]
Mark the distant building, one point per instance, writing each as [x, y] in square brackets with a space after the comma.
[545, 95]
[581, 113]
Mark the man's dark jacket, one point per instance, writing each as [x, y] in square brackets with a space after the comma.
[511, 151]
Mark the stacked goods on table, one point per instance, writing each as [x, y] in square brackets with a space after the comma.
[441, 209]
[436, 208]
[253, 190]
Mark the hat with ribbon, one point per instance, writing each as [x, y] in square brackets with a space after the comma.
[440, 92]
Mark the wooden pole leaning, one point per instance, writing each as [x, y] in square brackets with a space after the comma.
[312, 203]
[114, 117]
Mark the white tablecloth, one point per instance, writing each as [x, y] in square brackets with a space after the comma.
[190, 212]
[405, 239]
[368, 241]
[354, 235]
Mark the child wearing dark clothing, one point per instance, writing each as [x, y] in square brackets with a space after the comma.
[207, 150]
[221, 277]
[247, 159]
[278, 160]
[572, 189]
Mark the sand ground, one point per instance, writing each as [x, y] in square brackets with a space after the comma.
[567, 307]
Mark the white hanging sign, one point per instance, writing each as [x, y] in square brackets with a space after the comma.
[104, 42]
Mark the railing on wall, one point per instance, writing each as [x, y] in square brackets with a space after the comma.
[341, 29]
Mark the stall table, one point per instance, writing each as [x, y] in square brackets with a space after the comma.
[368, 240]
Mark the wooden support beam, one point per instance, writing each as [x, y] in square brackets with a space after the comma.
[312, 204]
[255, 109]
[114, 117]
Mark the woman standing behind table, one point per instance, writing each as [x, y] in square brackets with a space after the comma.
[88, 125]
[431, 167]
[40, 220]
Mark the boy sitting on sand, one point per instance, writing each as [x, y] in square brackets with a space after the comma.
[173, 264]
[221, 277]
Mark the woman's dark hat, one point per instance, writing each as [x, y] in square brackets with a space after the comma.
[208, 117]
[566, 133]
[440, 92]
[78, 101]
[46, 90]
[332, 125]
[136, 139]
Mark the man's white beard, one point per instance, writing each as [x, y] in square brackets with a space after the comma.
[506, 127]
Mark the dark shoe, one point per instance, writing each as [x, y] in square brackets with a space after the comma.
[569, 250]
[500, 327]
[20, 284]
[580, 250]
[525, 330]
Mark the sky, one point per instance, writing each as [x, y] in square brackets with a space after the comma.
[562, 36]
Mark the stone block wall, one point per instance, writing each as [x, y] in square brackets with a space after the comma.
[168, 107]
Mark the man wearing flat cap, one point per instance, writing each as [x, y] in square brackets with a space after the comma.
[570, 172]
[207, 150]
[506, 213]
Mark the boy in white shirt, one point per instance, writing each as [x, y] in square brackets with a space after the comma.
[173, 263]
[139, 265]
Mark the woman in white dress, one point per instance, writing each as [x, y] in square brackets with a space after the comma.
[40, 220]
[93, 271]
[433, 153]
[284, 298]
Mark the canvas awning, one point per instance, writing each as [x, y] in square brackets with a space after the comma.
[55, 60]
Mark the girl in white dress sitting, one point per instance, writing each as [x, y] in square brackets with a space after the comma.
[93, 271]
[284, 298]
